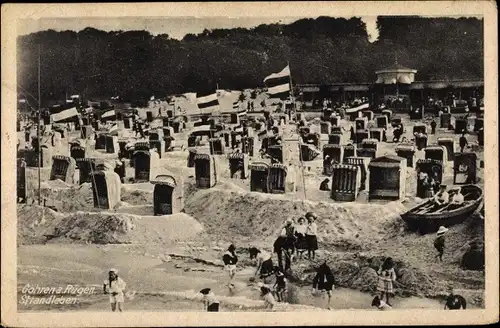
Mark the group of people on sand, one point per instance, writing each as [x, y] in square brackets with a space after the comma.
[323, 283]
[295, 239]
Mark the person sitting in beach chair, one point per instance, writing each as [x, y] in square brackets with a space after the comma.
[441, 199]
[433, 127]
[426, 183]
[463, 142]
[327, 160]
[397, 133]
[352, 134]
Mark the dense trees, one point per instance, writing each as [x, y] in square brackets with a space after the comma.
[136, 64]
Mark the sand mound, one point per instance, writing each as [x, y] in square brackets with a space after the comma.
[67, 198]
[54, 184]
[114, 228]
[70, 198]
[103, 227]
[360, 272]
[467, 245]
[260, 216]
[136, 196]
[34, 223]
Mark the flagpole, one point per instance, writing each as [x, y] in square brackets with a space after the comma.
[39, 135]
[292, 99]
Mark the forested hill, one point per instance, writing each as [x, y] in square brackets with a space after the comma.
[136, 64]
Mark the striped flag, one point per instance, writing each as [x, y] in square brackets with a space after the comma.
[114, 129]
[109, 115]
[201, 129]
[242, 113]
[190, 96]
[238, 129]
[278, 84]
[208, 103]
[64, 115]
[236, 104]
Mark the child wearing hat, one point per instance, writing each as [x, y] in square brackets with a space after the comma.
[439, 242]
[311, 235]
[210, 303]
[115, 286]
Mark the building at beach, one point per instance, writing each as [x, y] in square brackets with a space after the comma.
[394, 81]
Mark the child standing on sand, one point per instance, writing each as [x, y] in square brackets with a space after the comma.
[280, 284]
[439, 242]
[115, 286]
[386, 277]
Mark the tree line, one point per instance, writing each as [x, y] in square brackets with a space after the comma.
[136, 65]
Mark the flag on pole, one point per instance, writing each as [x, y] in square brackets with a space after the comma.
[280, 77]
[242, 113]
[152, 97]
[114, 129]
[64, 115]
[208, 102]
[236, 104]
[190, 96]
[278, 84]
[108, 115]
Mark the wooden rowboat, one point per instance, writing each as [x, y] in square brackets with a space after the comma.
[426, 218]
